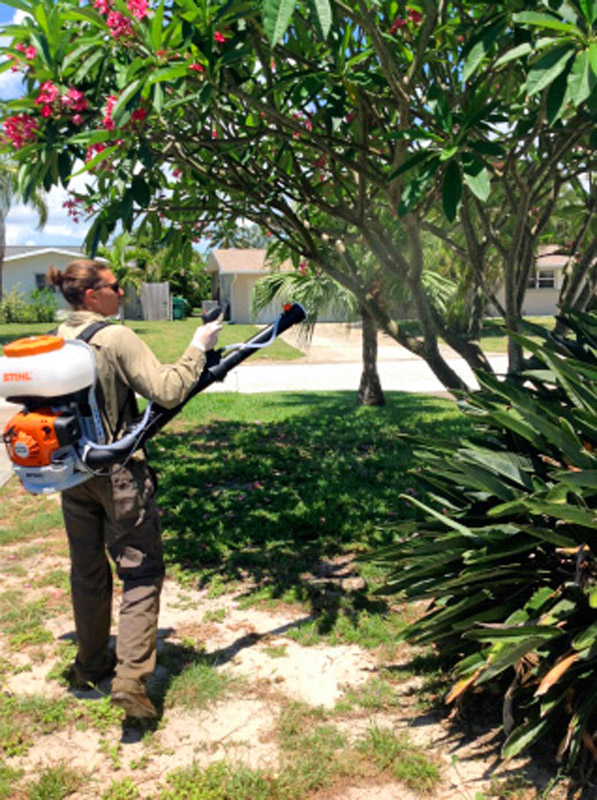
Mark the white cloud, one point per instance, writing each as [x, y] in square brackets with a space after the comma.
[22, 224]
[11, 85]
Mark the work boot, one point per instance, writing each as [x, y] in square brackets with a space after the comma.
[136, 704]
[84, 678]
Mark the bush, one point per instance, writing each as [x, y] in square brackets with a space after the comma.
[505, 551]
[41, 306]
[12, 307]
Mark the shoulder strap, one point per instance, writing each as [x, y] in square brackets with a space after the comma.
[86, 335]
[89, 332]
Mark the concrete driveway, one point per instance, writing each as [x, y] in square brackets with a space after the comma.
[332, 362]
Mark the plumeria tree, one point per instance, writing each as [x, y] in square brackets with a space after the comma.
[330, 124]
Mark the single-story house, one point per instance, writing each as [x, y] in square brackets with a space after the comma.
[25, 267]
[543, 288]
[234, 273]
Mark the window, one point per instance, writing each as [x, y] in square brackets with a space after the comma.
[40, 282]
[546, 279]
[542, 279]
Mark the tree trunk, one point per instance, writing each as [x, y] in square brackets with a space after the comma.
[2, 248]
[370, 391]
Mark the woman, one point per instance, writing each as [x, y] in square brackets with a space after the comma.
[117, 511]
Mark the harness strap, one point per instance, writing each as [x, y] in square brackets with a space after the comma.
[85, 336]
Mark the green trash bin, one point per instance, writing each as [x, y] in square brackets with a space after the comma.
[178, 308]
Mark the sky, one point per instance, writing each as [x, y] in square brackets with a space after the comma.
[21, 221]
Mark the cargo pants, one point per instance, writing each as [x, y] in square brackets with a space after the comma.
[117, 514]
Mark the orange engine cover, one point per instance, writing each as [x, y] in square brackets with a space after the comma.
[31, 438]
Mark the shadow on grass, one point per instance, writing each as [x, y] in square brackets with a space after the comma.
[267, 499]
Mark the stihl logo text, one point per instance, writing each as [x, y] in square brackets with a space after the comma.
[14, 377]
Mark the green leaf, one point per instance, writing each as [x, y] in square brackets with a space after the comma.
[511, 633]
[589, 9]
[480, 49]
[324, 15]
[516, 52]
[556, 97]
[20, 4]
[75, 55]
[593, 53]
[586, 638]
[581, 81]
[157, 26]
[547, 69]
[140, 191]
[524, 735]
[477, 178]
[452, 190]
[126, 95]
[276, 16]
[168, 74]
[587, 478]
[95, 57]
[539, 20]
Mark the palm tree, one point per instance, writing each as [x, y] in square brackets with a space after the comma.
[9, 191]
[317, 292]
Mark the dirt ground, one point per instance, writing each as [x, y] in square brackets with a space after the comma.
[252, 644]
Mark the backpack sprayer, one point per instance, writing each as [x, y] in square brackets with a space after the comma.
[57, 440]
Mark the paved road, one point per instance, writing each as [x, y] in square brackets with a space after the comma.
[332, 363]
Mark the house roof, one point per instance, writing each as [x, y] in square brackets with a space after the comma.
[550, 257]
[14, 252]
[246, 261]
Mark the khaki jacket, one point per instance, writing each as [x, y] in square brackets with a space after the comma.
[124, 361]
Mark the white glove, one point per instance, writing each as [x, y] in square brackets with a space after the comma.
[206, 336]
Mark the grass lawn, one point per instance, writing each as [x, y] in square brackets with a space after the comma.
[268, 483]
[169, 339]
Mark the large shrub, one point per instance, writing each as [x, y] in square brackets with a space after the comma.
[506, 551]
[41, 306]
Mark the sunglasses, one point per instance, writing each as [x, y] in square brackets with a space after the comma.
[115, 286]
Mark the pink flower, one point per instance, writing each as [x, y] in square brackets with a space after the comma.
[46, 111]
[138, 8]
[219, 37]
[28, 50]
[139, 115]
[49, 93]
[120, 26]
[20, 129]
[94, 149]
[107, 121]
[196, 67]
[77, 119]
[103, 6]
[414, 16]
[75, 100]
[176, 173]
[399, 22]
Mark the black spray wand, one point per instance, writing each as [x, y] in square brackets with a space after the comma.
[218, 365]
